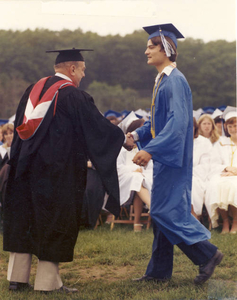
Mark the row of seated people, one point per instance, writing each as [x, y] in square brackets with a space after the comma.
[214, 174]
[215, 170]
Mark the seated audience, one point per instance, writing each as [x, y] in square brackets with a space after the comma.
[221, 194]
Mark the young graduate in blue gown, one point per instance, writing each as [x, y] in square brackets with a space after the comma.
[168, 139]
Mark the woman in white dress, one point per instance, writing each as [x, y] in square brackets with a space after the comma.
[221, 194]
[134, 182]
[7, 133]
[207, 128]
[202, 148]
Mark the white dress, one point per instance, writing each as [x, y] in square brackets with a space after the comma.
[129, 180]
[3, 151]
[202, 149]
[221, 191]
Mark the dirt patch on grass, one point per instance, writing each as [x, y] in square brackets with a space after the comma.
[108, 273]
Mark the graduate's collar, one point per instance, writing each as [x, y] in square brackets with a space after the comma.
[167, 70]
[63, 76]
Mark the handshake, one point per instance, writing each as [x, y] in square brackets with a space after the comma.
[142, 157]
[129, 143]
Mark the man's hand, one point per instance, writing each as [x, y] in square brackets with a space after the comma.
[142, 158]
[129, 144]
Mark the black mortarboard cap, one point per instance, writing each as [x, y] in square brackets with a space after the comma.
[167, 29]
[69, 55]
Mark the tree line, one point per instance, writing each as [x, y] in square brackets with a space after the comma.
[117, 74]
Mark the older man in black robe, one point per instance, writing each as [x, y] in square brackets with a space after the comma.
[58, 128]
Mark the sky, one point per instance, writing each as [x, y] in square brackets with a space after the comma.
[208, 20]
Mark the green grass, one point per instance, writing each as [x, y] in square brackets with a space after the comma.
[105, 263]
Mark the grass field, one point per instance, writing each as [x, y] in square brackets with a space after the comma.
[105, 263]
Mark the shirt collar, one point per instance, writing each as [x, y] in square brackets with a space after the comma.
[167, 70]
[63, 76]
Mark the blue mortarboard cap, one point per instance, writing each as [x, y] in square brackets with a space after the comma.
[125, 112]
[167, 29]
[209, 109]
[112, 113]
[222, 107]
[3, 121]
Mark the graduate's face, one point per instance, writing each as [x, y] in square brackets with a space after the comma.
[8, 137]
[78, 72]
[155, 55]
[206, 126]
[232, 128]
[219, 127]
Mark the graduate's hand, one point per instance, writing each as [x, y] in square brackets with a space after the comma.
[232, 170]
[129, 144]
[139, 170]
[142, 158]
[226, 174]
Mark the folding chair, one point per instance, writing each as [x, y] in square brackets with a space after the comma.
[128, 218]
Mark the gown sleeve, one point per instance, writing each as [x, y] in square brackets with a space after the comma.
[144, 134]
[103, 141]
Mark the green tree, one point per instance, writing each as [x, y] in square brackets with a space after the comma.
[113, 97]
[117, 73]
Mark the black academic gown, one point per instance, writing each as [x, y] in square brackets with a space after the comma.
[47, 179]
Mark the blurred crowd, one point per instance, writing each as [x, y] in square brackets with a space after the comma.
[214, 184]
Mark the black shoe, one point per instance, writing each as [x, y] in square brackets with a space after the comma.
[149, 278]
[207, 270]
[19, 286]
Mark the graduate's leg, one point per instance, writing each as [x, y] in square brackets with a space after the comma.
[47, 276]
[138, 207]
[145, 196]
[19, 267]
[161, 262]
[199, 253]
[226, 223]
[204, 254]
[234, 216]
[194, 214]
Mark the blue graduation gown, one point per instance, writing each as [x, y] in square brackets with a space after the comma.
[172, 150]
